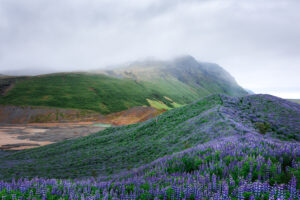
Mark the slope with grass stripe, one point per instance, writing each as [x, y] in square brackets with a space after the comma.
[83, 91]
[140, 84]
[121, 148]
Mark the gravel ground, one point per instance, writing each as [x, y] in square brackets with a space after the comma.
[16, 137]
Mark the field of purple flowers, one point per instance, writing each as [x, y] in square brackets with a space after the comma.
[237, 167]
[227, 148]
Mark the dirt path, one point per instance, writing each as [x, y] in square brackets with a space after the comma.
[16, 137]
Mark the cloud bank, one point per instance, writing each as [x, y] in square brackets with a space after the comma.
[256, 41]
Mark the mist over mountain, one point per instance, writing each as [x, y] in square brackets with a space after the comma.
[208, 76]
[28, 71]
[149, 100]
[159, 84]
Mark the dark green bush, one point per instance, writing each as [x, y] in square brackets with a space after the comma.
[263, 127]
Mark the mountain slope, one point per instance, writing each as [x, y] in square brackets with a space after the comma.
[77, 90]
[202, 78]
[236, 167]
[295, 100]
[163, 85]
[116, 149]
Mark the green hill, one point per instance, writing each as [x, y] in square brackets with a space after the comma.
[159, 84]
[121, 148]
[201, 78]
[295, 100]
[78, 90]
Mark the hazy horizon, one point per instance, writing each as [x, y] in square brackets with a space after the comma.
[257, 42]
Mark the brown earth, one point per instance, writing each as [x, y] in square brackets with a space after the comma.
[30, 114]
[16, 137]
[132, 116]
[20, 126]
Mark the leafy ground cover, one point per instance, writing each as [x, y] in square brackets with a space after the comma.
[227, 148]
[295, 100]
[236, 167]
[122, 148]
[146, 84]
[97, 92]
[100, 93]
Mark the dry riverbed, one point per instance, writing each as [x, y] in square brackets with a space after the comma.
[17, 137]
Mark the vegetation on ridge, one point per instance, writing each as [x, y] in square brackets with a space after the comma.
[181, 81]
[92, 92]
[117, 149]
[237, 168]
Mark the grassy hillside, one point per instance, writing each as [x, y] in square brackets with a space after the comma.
[121, 148]
[163, 85]
[84, 91]
[7, 82]
[201, 78]
[295, 100]
[240, 167]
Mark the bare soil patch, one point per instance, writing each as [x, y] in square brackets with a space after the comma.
[132, 115]
[16, 137]
[18, 132]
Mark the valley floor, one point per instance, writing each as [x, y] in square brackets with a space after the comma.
[25, 136]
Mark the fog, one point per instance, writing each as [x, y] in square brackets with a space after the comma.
[256, 41]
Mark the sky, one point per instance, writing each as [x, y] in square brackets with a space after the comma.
[257, 41]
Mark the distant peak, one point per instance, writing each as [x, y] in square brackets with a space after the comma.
[186, 61]
[185, 58]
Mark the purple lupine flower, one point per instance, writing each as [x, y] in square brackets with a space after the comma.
[241, 193]
[214, 182]
[225, 190]
[252, 197]
[231, 181]
[280, 192]
[293, 187]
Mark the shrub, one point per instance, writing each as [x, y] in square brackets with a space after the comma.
[263, 128]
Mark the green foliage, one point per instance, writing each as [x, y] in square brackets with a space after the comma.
[263, 128]
[169, 192]
[117, 148]
[187, 165]
[295, 100]
[247, 195]
[166, 86]
[100, 93]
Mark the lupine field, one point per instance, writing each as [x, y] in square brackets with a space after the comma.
[232, 148]
[233, 168]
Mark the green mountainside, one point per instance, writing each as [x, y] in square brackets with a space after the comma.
[163, 85]
[122, 148]
[295, 100]
[201, 78]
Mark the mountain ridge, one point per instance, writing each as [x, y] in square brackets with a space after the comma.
[185, 69]
[160, 84]
[114, 150]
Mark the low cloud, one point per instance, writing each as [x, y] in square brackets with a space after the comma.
[256, 41]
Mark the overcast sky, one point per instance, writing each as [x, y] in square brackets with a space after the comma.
[257, 41]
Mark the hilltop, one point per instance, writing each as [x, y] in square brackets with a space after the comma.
[162, 85]
[295, 100]
[200, 77]
[118, 149]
